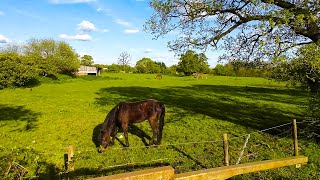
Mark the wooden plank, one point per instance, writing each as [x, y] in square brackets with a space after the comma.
[233, 170]
[162, 173]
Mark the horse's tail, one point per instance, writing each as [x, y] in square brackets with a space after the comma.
[161, 122]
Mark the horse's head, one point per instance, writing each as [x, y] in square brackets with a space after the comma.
[107, 131]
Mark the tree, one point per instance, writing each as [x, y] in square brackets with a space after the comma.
[114, 68]
[146, 65]
[220, 70]
[52, 57]
[16, 70]
[191, 62]
[163, 66]
[250, 29]
[86, 60]
[304, 69]
[124, 59]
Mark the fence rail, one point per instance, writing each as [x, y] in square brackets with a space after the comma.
[214, 173]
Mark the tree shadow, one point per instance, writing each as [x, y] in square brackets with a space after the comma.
[216, 101]
[19, 113]
[84, 173]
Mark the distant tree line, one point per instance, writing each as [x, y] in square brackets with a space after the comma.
[243, 69]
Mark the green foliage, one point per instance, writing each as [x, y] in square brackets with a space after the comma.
[247, 30]
[242, 69]
[146, 65]
[86, 60]
[16, 70]
[52, 57]
[113, 68]
[302, 70]
[191, 62]
[172, 70]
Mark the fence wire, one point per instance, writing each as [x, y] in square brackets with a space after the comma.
[271, 143]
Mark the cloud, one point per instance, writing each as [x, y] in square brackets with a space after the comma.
[148, 50]
[131, 31]
[70, 1]
[123, 23]
[105, 30]
[2, 13]
[86, 26]
[77, 37]
[3, 39]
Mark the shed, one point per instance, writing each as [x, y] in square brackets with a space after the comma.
[88, 70]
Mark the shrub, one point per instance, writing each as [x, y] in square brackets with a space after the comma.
[16, 70]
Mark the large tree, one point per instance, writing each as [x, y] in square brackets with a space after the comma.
[250, 29]
[52, 57]
[146, 65]
[191, 62]
[124, 59]
[86, 60]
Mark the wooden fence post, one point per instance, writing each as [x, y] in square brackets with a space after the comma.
[68, 160]
[295, 137]
[226, 149]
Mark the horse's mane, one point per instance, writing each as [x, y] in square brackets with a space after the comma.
[110, 120]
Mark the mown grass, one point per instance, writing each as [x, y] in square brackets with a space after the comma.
[37, 124]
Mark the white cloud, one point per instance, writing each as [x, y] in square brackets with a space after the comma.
[3, 39]
[148, 50]
[86, 26]
[99, 9]
[77, 37]
[131, 31]
[123, 23]
[70, 1]
[105, 30]
[2, 13]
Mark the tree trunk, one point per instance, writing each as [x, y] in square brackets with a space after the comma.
[313, 85]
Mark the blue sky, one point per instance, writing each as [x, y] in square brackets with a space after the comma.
[100, 28]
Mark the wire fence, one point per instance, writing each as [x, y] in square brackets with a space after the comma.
[271, 143]
[196, 155]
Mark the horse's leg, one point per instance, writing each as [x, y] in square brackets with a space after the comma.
[125, 132]
[154, 126]
[114, 133]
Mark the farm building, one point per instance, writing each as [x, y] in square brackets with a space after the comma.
[88, 70]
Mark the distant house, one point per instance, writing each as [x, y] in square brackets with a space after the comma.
[88, 70]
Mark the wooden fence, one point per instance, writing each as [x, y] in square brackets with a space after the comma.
[167, 172]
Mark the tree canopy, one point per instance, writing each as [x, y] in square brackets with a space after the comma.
[52, 57]
[191, 62]
[146, 65]
[86, 60]
[249, 29]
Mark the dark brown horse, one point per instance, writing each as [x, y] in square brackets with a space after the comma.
[132, 112]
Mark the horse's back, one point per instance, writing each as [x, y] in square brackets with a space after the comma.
[139, 111]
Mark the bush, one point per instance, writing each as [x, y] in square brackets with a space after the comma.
[16, 70]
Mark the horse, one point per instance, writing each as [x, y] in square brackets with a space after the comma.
[125, 113]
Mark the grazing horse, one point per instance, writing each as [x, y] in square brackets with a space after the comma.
[132, 112]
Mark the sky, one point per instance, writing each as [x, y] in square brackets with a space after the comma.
[102, 29]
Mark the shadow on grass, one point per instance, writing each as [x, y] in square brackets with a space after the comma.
[216, 101]
[19, 113]
[133, 129]
[85, 173]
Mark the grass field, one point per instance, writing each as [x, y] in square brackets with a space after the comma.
[37, 124]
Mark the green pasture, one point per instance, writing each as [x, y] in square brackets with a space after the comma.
[38, 123]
